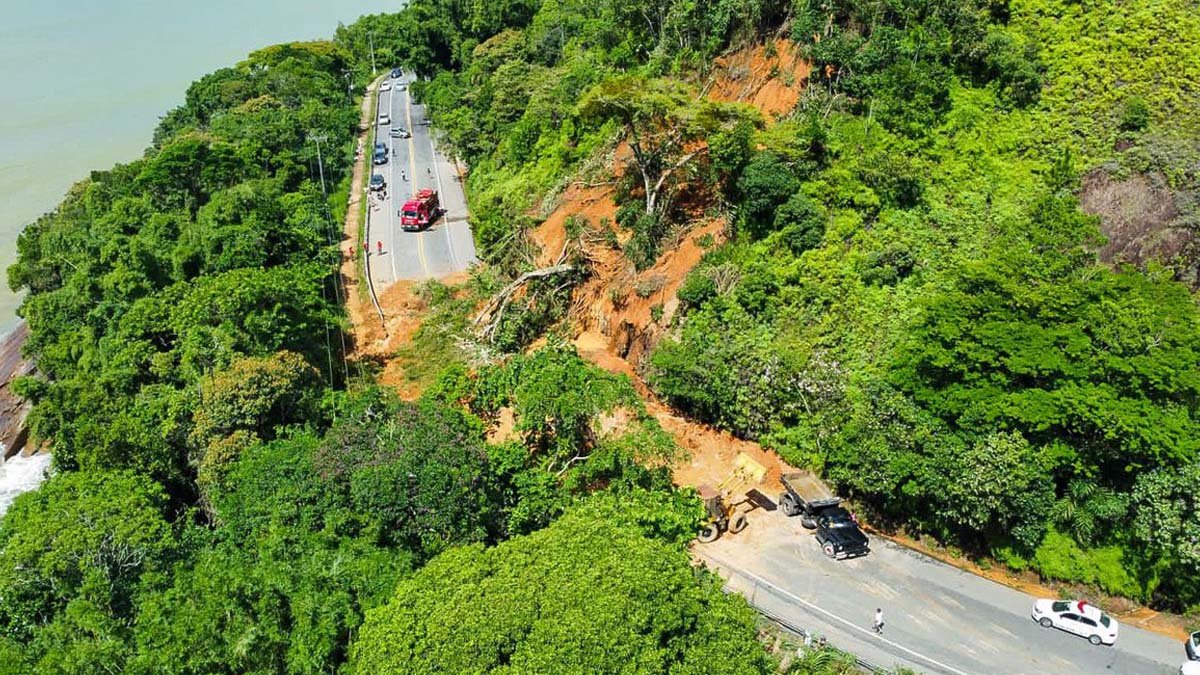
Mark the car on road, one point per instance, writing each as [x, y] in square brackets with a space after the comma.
[1078, 617]
[1190, 668]
[838, 534]
[396, 72]
[381, 154]
[377, 183]
[385, 119]
[399, 132]
[1192, 646]
[386, 86]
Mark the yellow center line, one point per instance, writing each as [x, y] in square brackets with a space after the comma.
[412, 166]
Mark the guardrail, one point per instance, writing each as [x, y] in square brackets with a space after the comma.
[373, 98]
[367, 263]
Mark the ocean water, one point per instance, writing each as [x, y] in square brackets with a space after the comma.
[83, 83]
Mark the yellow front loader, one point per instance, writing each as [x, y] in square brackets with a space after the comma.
[726, 504]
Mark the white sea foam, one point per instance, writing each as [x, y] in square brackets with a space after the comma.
[20, 474]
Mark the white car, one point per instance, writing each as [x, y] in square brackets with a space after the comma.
[399, 132]
[1190, 668]
[385, 120]
[1078, 617]
[386, 86]
[1192, 646]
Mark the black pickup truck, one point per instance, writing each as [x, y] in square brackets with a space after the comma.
[837, 533]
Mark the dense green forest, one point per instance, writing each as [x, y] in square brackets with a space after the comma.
[230, 494]
[911, 301]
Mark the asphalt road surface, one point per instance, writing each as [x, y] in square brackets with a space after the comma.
[938, 619]
[446, 247]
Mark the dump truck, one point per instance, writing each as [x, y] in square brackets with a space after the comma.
[804, 495]
[726, 504]
[807, 496]
[420, 211]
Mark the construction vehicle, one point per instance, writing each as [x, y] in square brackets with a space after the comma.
[838, 533]
[420, 211]
[726, 504]
[804, 495]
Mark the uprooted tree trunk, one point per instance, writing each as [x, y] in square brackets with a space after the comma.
[487, 322]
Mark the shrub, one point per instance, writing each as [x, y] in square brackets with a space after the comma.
[1135, 115]
[766, 183]
[802, 222]
[1059, 557]
[697, 288]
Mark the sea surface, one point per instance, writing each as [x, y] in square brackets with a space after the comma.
[84, 82]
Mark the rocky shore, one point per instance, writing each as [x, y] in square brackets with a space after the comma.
[13, 410]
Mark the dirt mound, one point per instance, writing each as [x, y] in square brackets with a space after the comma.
[710, 452]
[632, 309]
[619, 313]
[592, 203]
[1138, 217]
[769, 77]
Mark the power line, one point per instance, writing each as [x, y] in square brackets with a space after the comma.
[330, 232]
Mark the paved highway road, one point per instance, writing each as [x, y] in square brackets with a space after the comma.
[415, 163]
[938, 619]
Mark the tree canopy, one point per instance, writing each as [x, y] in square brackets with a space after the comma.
[581, 596]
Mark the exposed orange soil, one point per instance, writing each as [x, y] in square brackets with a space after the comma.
[771, 83]
[612, 315]
[710, 452]
[615, 328]
[366, 330]
[614, 312]
[405, 311]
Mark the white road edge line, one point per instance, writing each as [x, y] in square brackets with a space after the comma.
[847, 622]
[437, 175]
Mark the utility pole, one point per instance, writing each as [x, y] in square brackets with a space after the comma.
[371, 42]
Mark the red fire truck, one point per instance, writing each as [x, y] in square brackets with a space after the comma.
[420, 211]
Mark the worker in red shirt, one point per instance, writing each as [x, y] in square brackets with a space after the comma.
[366, 248]
[379, 247]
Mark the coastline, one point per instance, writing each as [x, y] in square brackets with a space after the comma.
[13, 409]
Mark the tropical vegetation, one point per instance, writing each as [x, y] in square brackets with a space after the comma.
[918, 293]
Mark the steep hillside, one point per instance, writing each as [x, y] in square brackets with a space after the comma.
[870, 248]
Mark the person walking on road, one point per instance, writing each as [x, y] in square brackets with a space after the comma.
[379, 247]
[878, 626]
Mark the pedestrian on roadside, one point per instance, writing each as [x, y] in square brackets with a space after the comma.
[379, 247]
[366, 249]
[807, 639]
[821, 643]
[878, 626]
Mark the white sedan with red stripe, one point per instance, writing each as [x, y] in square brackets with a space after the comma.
[1078, 617]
